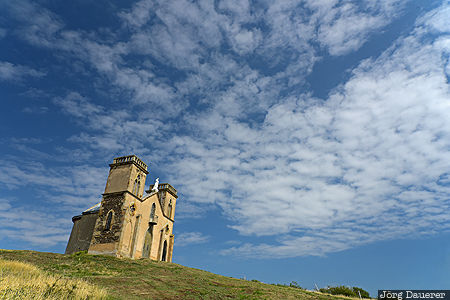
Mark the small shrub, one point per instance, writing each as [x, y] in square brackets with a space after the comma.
[294, 284]
[339, 290]
[345, 291]
[80, 253]
[364, 294]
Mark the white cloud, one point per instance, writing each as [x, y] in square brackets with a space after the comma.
[365, 165]
[72, 188]
[39, 24]
[20, 223]
[190, 210]
[76, 105]
[245, 41]
[35, 110]
[139, 14]
[191, 36]
[437, 20]
[345, 27]
[9, 71]
[190, 238]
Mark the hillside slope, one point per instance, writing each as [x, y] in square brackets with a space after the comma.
[146, 279]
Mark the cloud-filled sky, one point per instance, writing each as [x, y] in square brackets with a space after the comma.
[294, 129]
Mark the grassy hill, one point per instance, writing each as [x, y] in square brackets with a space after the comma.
[113, 278]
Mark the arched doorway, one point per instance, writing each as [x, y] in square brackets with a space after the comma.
[164, 252]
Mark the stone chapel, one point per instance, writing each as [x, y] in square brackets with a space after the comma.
[128, 222]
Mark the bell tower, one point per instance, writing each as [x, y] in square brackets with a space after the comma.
[124, 187]
[126, 173]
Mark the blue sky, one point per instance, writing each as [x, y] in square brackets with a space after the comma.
[309, 140]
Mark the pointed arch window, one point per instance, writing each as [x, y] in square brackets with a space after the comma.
[138, 188]
[109, 219]
[152, 212]
[169, 209]
[137, 185]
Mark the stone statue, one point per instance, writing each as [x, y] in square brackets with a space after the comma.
[155, 186]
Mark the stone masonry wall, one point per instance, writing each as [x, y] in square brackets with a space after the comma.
[102, 236]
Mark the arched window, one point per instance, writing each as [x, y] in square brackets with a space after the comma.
[152, 212]
[169, 209]
[109, 219]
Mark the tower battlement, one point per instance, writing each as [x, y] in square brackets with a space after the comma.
[129, 159]
[164, 187]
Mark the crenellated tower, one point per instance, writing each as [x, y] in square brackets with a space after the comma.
[124, 188]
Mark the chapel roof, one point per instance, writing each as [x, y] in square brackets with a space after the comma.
[93, 209]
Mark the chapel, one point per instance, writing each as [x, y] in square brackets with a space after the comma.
[128, 222]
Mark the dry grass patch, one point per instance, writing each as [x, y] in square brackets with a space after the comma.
[20, 280]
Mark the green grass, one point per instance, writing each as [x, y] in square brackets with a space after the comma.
[146, 279]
